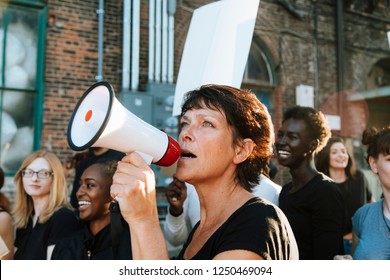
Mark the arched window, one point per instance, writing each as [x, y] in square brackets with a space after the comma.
[259, 75]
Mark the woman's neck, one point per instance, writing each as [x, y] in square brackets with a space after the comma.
[386, 202]
[386, 208]
[302, 175]
[97, 225]
[40, 204]
[338, 174]
[214, 207]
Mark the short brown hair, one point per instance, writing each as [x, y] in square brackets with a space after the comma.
[248, 117]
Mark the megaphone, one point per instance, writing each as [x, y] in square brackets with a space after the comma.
[100, 120]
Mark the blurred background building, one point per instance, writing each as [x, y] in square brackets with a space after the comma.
[333, 55]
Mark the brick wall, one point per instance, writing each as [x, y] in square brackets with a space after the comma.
[71, 61]
[303, 52]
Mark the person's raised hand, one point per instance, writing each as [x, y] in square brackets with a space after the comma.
[176, 193]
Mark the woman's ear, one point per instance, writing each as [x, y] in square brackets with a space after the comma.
[372, 162]
[243, 150]
[313, 145]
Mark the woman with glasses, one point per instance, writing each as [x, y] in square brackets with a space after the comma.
[42, 213]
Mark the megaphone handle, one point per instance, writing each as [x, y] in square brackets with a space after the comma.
[146, 157]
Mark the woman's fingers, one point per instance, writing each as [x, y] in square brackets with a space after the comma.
[134, 187]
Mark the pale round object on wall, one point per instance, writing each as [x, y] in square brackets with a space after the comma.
[8, 128]
[16, 52]
[20, 146]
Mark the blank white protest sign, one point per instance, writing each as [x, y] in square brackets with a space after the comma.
[217, 46]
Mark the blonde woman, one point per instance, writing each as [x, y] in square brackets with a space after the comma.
[42, 213]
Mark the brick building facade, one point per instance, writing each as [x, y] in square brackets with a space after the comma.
[340, 51]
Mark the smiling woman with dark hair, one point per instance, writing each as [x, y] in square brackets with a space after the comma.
[94, 241]
[335, 161]
[311, 201]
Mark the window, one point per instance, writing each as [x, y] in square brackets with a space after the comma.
[21, 82]
[258, 75]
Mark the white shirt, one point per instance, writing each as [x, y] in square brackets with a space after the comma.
[3, 248]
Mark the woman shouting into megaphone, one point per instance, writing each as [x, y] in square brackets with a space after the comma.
[226, 141]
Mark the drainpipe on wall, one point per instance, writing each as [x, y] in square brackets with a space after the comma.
[126, 46]
[340, 52]
[315, 24]
[100, 13]
[171, 42]
[135, 44]
[151, 40]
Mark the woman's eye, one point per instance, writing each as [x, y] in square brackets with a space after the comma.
[208, 124]
[183, 124]
[89, 186]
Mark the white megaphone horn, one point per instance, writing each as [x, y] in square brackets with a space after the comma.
[100, 120]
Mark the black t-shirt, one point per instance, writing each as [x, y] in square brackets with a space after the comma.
[257, 226]
[355, 193]
[32, 242]
[316, 215]
[82, 245]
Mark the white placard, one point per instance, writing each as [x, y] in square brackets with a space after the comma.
[388, 37]
[334, 122]
[305, 95]
[217, 46]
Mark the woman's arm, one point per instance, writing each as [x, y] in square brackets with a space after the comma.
[134, 189]
[176, 228]
[238, 255]
[355, 241]
[7, 234]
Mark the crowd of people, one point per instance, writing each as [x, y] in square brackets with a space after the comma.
[223, 202]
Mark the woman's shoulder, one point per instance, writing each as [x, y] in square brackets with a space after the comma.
[367, 212]
[357, 177]
[258, 207]
[369, 208]
[5, 218]
[63, 222]
[70, 247]
[65, 210]
[64, 213]
[325, 184]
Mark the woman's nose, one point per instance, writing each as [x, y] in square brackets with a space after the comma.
[281, 140]
[186, 134]
[81, 190]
